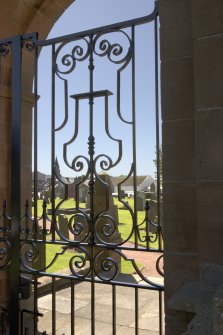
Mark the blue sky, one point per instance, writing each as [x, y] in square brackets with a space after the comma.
[82, 15]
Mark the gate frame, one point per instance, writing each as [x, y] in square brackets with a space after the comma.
[17, 46]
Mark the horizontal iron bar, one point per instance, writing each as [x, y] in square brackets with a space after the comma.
[95, 94]
[96, 281]
[119, 25]
[82, 244]
[32, 312]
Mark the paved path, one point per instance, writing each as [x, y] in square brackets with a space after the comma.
[125, 308]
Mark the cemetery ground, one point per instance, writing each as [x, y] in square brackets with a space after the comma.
[145, 262]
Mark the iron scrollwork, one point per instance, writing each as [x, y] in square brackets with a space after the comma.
[64, 64]
[116, 53]
[5, 49]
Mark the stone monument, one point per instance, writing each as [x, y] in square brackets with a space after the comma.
[104, 204]
[63, 225]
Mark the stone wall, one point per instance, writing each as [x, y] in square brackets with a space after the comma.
[192, 101]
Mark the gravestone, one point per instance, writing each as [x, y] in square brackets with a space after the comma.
[40, 262]
[103, 196]
[153, 212]
[140, 203]
[83, 193]
[63, 225]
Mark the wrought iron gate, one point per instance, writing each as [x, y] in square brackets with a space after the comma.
[77, 219]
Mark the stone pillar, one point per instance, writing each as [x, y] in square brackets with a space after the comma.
[208, 69]
[179, 179]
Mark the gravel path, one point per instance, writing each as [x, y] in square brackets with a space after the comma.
[148, 259]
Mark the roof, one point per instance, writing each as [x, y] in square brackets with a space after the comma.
[129, 182]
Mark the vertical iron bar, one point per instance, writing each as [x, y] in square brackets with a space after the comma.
[72, 308]
[21, 324]
[53, 307]
[35, 297]
[136, 311]
[160, 313]
[134, 137]
[35, 144]
[36, 231]
[53, 144]
[113, 310]
[15, 184]
[91, 143]
[157, 127]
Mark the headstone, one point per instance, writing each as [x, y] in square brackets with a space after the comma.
[83, 193]
[40, 262]
[63, 225]
[140, 203]
[153, 212]
[103, 197]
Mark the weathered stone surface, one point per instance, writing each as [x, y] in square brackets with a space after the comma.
[187, 298]
[208, 319]
[210, 213]
[178, 151]
[209, 144]
[63, 225]
[182, 267]
[176, 29]
[218, 311]
[207, 17]
[208, 61]
[175, 324]
[180, 228]
[178, 89]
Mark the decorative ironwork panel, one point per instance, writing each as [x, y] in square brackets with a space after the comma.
[83, 221]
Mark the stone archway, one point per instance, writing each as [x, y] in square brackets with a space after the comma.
[192, 100]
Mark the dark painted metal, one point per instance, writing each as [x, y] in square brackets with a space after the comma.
[72, 301]
[135, 222]
[136, 311]
[113, 310]
[15, 184]
[53, 155]
[160, 313]
[157, 130]
[91, 152]
[53, 306]
[35, 140]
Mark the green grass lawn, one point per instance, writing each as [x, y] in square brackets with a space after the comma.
[125, 227]
[62, 261]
